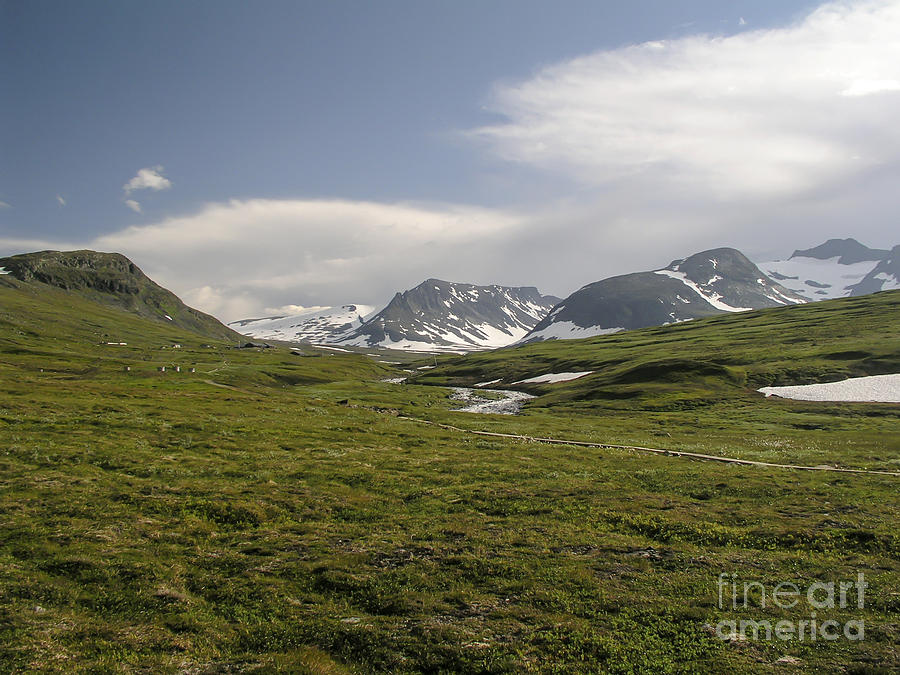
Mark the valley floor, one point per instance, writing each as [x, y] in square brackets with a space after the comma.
[160, 523]
[273, 512]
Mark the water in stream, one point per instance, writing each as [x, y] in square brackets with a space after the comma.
[510, 403]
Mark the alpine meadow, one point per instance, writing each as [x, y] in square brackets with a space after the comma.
[398, 337]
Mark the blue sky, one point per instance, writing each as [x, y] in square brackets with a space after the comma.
[359, 146]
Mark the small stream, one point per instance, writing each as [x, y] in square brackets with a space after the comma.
[510, 404]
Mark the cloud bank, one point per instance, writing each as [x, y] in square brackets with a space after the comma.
[237, 257]
[761, 114]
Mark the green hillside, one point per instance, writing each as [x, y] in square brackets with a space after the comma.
[65, 334]
[110, 279]
[270, 512]
[701, 361]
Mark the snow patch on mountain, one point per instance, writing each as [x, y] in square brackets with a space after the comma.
[891, 283]
[453, 317]
[818, 279]
[884, 277]
[325, 325]
[712, 298]
[704, 284]
[407, 346]
[568, 330]
[836, 269]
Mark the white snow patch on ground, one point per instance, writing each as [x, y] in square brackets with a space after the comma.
[3, 270]
[510, 404]
[712, 298]
[394, 380]
[168, 317]
[408, 346]
[567, 330]
[554, 377]
[334, 349]
[872, 389]
[488, 384]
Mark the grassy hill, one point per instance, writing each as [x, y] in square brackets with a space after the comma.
[113, 280]
[271, 512]
[687, 363]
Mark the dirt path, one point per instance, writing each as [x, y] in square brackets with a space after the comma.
[655, 451]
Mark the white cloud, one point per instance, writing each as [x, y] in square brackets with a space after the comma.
[250, 258]
[133, 205]
[60, 200]
[767, 141]
[869, 87]
[150, 178]
[758, 114]
[4, 205]
[233, 258]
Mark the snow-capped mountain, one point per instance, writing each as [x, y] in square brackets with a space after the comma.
[885, 276]
[834, 269]
[443, 316]
[322, 325]
[705, 284]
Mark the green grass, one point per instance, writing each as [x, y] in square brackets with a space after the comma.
[692, 386]
[156, 523]
[791, 345]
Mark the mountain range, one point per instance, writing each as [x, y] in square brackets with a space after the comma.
[434, 316]
[704, 284]
[439, 315]
[443, 316]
